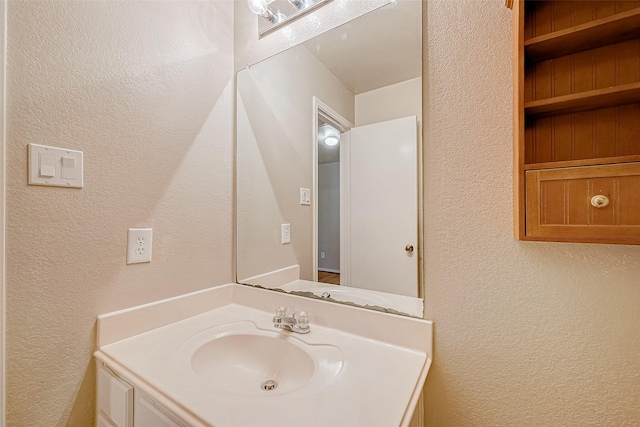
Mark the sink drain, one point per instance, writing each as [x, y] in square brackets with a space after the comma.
[269, 385]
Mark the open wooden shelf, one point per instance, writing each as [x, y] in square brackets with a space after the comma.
[577, 120]
[585, 101]
[582, 162]
[612, 29]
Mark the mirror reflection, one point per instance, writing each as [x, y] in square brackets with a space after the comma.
[328, 164]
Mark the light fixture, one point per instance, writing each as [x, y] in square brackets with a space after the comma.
[301, 4]
[278, 13]
[329, 135]
[260, 7]
[331, 141]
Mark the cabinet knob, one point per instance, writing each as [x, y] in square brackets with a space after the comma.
[599, 201]
[409, 248]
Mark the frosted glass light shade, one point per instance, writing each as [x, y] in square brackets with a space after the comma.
[259, 7]
[331, 141]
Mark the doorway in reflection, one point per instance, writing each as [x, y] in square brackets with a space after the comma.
[328, 202]
[328, 278]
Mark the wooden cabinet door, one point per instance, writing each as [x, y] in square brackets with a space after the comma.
[561, 204]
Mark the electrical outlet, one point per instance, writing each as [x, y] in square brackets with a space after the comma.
[139, 245]
[286, 233]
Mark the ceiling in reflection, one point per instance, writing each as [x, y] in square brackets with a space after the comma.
[359, 38]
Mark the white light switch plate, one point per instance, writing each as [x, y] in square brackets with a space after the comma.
[139, 245]
[57, 167]
[305, 196]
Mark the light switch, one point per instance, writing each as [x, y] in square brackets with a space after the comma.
[47, 166]
[58, 167]
[305, 196]
[68, 168]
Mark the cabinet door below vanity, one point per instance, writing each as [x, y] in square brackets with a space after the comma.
[115, 400]
[149, 413]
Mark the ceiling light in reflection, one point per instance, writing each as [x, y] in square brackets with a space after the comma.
[331, 141]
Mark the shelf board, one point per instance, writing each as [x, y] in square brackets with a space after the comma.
[580, 239]
[582, 162]
[612, 29]
[585, 101]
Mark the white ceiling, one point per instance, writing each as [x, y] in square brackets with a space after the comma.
[378, 49]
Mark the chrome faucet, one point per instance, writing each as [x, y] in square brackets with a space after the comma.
[297, 322]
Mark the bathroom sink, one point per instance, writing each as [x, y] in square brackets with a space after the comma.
[241, 358]
[216, 359]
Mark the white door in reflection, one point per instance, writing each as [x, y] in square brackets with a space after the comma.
[383, 207]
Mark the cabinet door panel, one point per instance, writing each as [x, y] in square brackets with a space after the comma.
[578, 191]
[559, 203]
[115, 398]
[629, 200]
[102, 421]
[150, 414]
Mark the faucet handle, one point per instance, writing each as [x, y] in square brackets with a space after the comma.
[303, 318]
[282, 311]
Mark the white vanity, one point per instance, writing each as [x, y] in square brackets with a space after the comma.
[215, 358]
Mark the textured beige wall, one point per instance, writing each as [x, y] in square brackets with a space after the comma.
[275, 157]
[145, 89]
[526, 334]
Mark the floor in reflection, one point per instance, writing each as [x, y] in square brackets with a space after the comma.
[326, 277]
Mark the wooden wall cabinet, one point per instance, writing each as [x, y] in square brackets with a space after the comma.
[577, 121]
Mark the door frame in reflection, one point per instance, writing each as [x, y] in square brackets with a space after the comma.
[321, 109]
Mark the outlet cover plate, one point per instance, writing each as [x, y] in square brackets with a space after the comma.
[139, 246]
[286, 233]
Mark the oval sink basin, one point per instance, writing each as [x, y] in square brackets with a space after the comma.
[240, 363]
[240, 358]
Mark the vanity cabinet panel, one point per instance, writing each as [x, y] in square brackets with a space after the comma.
[121, 403]
[102, 421]
[576, 120]
[561, 204]
[115, 399]
[149, 413]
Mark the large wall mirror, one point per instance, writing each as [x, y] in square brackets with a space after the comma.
[329, 164]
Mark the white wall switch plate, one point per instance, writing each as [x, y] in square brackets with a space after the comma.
[57, 167]
[305, 196]
[286, 233]
[139, 245]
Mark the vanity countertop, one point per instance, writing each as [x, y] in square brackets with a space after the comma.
[384, 359]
